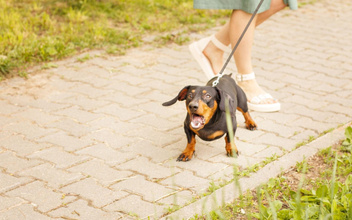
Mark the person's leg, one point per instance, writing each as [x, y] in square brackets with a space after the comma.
[215, 55]
[243, 54]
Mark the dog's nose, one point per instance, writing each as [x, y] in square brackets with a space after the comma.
[193, 106]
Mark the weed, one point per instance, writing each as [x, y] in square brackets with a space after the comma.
[347, 143]
[85, 58]
[49, 66]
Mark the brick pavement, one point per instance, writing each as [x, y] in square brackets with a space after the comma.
[91, 140]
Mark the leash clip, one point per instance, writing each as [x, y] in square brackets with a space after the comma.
[216, 82]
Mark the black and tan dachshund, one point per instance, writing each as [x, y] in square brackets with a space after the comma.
[206, 115]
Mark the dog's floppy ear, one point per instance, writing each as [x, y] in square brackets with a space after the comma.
[180, 97]
[223, 96]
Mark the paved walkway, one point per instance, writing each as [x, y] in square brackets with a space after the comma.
[90, 140]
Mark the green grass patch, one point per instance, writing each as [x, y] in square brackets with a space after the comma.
[34, 31]
[317, 188]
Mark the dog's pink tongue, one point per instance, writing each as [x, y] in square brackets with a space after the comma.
[196, 121]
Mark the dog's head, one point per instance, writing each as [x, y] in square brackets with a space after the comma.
[201, 103]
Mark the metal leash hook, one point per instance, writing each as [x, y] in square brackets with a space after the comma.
[216, 82]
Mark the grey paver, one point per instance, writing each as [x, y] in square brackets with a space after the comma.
[20, 145]
[12, 164]
[43, 198]
[145, 166]
[148, 190]
[100, 171]
[107, 153]
[25, 211]
[60, 158]
[82, 210]
[8, 202]
[134, 206]
[91, 190]
[52, 176]
[8, 182]
[68, 142]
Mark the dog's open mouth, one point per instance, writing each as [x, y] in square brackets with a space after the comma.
[197, 121]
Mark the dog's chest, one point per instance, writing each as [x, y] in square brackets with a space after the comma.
[210, 134]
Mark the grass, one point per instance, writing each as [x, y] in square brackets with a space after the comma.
[317, 188]
[33, 32]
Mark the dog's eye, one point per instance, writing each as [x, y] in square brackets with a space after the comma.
[190, 95]
[207, 96]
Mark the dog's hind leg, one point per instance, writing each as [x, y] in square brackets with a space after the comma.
[250, 124]
[243, 108]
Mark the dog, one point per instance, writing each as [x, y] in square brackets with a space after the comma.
[206, 116]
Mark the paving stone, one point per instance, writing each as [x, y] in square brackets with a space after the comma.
[12, 164]
[148, 149]
[52, 176]
[144, 166]
[68, 142]
[150, 134]
[118, 112]
[71, 127]
[8, 202]
[8, 182]
[187, 180]
[124, 99]
[20, 145]
[60, 158]
[89, 90]
[98, 195]
[153, 121]
[159, 110]
[269, 152]
[285, 131]
[133, 91]
[43, 198]
[201, 168]
[135, 207]
[149, 191]
[5, 121]
[114, 124]
[100, 171]
[82, 210]
[8, 109]
[85, 103]
[249, 149]
[37, 116]
[110, 138]
[271, 139]
[304, 135]
[25, 211]
[29, 129]
[245, 161]
[44, 105]
[79, 115]
[106, 153]
[308, 123]
[177, 199]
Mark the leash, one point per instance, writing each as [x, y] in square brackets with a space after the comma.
[238, 42]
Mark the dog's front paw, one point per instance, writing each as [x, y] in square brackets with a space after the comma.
[186, 156]
[229, 152]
